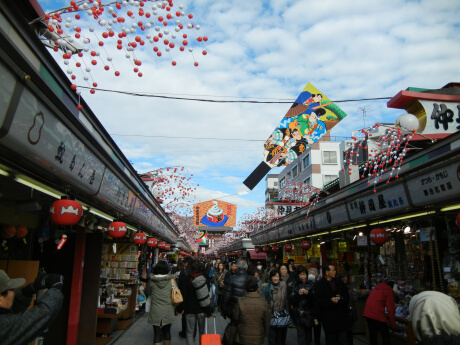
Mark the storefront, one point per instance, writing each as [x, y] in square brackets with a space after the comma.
[51, 149]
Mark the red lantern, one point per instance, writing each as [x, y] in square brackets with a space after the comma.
[379, 236]
[117, 229]
[265, 249]
[66, 212]
[275, 248]
[167, 246]
[152, 242]
[458, 221]
[288, 247]
[161, 245]
[140, 238]
[257, 249]
[306, 245]
[9, 231]
[22, 231]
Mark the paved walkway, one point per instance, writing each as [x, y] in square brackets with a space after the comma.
[141, 333]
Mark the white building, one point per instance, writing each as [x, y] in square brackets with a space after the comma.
[271, 187]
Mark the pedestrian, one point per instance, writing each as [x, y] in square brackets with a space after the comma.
[252, 315]
[380, 298]
[262, 273]
[179, 268]
[161, 314]
[314, 277]
[285, 275]
[210, 278]
[275, 292]
[19, 325]
[302, 301]
[331, 296]
[234, 288]
[271, 266]
[353, 297]
[231, 271]
[196, 305]
[181, 283]
[219, 275]
[435, 319]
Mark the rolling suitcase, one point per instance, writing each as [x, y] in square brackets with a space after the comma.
[210, 339]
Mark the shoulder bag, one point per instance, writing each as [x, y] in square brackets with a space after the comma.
[176, 296]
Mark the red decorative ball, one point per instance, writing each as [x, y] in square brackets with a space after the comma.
[152, 242]
[161, 245]
[306, 245]
[288, 247]
[22, 231]
[265, 249]
[139, 238]
[9, 231]
[167, 246]
[379, 236]
[257, 249]
[66, 212]
[275, 248]
[117, 229]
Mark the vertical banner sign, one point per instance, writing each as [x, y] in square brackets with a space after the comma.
[309, 118]
[202, 238]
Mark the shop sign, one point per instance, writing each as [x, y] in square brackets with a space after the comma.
[37, 134]
[115, 193]
[273, 235]
[425, 234]
[297, 259]
[336, 216]
[438, 185]
[142, 213]
[342, 246]
[361, 241]
[282, 210]
[387, 201]
[442, 117]
[314, 251]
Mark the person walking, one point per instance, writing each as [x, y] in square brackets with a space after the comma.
[285, 275]
[332, 300]
[381, 297]
[435, 319]
[302, 301]
[252, 316]
[353, 294]
[181, 283]
[275, 292]
[19, 325]
[234, 289]
[161, 314]
[218, 278]
[314, 277]
[196, 305]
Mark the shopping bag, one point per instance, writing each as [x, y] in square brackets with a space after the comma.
[210, 339]
[176, 296]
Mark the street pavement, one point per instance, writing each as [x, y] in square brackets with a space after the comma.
[141, 333]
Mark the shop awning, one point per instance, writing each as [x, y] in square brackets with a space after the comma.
[257, 256]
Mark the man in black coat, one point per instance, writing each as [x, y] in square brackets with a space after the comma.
[331, 304]
[234, 288]
[182, 284]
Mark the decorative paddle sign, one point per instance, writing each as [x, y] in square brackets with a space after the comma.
[66, 212]
[117, 229]
[139, 238]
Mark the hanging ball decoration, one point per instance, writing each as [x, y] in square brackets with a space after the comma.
[167, 246]
[161, 245]
[22, 231]
[288, 247]
[139, 238]
[265, 249]
[407, 121]
[379, 236]
[9, 231]
[117, 229]
[306, 245]
[152, 242]
[257, 249]
[275, 248]
[66, 212]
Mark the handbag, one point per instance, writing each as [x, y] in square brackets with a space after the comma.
[147, 304]
[176, 296]
[280, 318]
[229, 334]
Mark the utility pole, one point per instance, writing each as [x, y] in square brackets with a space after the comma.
[363, 110]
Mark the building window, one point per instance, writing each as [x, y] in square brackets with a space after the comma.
[294, 171]
[329, 178]
[307, 181]
[306, 161]
[283, 182]
[275, 183]
[329, 157]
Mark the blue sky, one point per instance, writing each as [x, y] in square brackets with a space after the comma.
[260, 50]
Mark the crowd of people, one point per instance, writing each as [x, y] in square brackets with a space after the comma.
[258, 303]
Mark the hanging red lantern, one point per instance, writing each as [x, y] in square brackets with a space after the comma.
[378, 236]
[306, 245]
[152, 242]
[9, 231]
[458, 221]
[288, 247]
[257, 249]
[139, 238]
[167, 246]
[22, 231]
[66, 212]
[265, 249]
[161, 245]
[117, 229]
[275, 248]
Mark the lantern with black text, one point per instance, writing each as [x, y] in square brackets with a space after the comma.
[257, 249]
[161, 245]
[66, 212]
[275, 248]
[139, 238]
[167, 246]
[152, 242]
[306, 245]
[265, 249]
[379, 236]
[288, 247]
[117, 229]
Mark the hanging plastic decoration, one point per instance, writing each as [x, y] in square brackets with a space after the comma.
[306, 245]
[117, 229]
[22, 231]
[88, 36]
[167, 246]
[265, 249]
[379, 236]
[257, 249]
[275, 248]
[288, 247]
[152, 242]
[139, 238]
[66, 212]
[161, 245]
[62, 241]
[9, 231]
